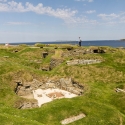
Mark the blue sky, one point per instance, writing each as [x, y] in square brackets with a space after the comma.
[51, 20]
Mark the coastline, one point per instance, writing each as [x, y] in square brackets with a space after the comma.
[110, 43]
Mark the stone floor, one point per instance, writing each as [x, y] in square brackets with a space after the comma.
[48, 95]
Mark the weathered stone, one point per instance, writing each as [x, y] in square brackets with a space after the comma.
[82, 61]
[26, 89]
[66, 82]
[63, 83]
[43, 86]
[51, 85]
[72, 119]
[119, 90]
[28, 105]
[45, 68]
[55, 62]
[21, 93]
[96, 50]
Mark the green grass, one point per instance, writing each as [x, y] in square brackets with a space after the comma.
[100, 103]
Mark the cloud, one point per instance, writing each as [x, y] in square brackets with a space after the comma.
[90, 0]
[39, 9]
[90, 11]
[84, 0]
[113, 19]
[3, 0]
[122, 19]
[81, 21]
[68, 15]
[17, 23]
[108, 16]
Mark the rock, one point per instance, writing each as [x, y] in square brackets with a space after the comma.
[66, 82]
[119, 90]
[55, 62]
[45, 68]
[96, 50]
[72, 119]
[18, 85]
[21, 93]
[73, 62]
[28, 105]
[27, 88]
[51, 85]
[82, 61]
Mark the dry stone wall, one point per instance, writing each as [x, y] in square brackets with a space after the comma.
[68, 84]
[55, 62]
[26, 89]
[82, 61]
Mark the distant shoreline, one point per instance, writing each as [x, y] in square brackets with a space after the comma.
[122, 39]
[111, 43]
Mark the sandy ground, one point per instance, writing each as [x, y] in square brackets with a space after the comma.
[42, 95]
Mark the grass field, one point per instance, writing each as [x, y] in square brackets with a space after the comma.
[99, 102]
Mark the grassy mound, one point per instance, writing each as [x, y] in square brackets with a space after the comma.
[101, 104]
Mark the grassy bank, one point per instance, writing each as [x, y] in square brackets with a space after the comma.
[99, 102]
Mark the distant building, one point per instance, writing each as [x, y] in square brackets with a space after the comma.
[7, 44]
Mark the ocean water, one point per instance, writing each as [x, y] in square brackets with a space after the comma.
[111, 43]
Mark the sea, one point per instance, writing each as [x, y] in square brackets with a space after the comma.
[110, 43]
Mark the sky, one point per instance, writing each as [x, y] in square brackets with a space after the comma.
[55, 20]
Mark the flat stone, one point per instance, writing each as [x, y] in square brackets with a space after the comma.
[72, 119]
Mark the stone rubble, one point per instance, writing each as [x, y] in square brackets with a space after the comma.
[28, 105]
[27, 89]
[119, 90]
[55, 62]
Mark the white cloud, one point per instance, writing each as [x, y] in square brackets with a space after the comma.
[108, 16]
[90, 11]
[3, 0]
[17, 23]
[39, 9]
[81, 21]
[112, 19]
[122, 20]
[84, 0]
[68, 15]
[90, 0]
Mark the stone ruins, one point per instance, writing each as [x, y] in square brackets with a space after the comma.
[82, 61]
[26, 90]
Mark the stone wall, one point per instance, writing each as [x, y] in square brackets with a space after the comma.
[26, 89]
[55, 62]
[82, 61]
[82, 51]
